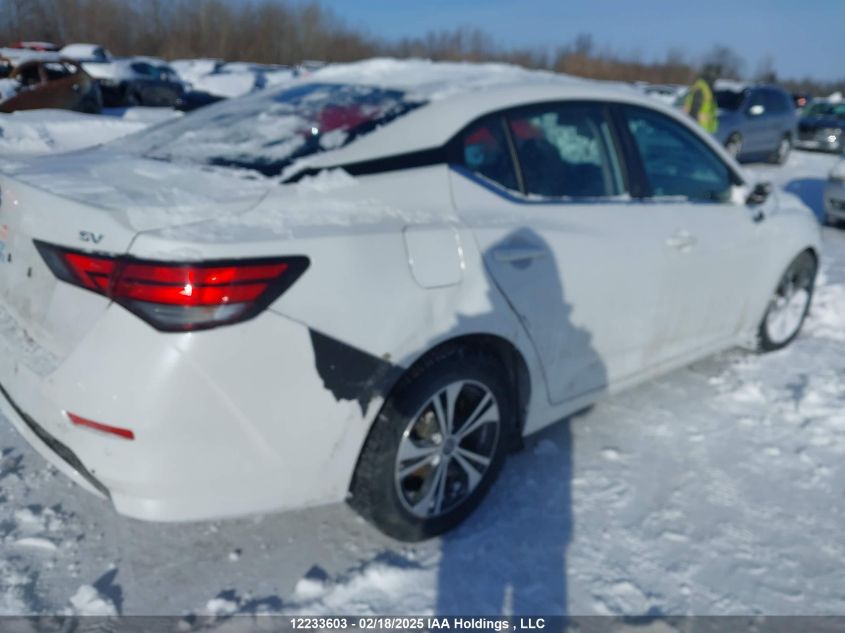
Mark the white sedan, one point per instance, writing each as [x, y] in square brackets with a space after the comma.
[370, 284]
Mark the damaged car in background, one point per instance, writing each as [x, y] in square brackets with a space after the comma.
[370, 284]
[47, 81]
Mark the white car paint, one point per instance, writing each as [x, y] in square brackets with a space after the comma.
[834, 192]
[262, 415]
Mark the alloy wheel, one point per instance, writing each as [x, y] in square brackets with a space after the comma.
[447, 448]
[790, 302]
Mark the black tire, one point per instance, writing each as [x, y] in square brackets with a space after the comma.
[133, 99]
[376, 487]
[781, 153]
[92, 104]
[801, 274]
[734, 145]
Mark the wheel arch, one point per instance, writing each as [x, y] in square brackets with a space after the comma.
[513, 362]
[512, 359]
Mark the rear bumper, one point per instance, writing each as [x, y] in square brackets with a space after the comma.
[232, 421]
[49, 447]
[819, 144]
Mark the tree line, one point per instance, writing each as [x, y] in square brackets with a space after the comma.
[281, 32]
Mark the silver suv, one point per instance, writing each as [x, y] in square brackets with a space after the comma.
[755, 122]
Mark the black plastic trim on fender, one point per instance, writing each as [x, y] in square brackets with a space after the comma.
[350, 373]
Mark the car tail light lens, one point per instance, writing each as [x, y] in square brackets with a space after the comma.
[183, 296]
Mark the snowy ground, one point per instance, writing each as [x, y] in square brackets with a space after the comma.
[718, 489]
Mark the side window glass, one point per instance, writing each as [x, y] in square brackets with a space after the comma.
[676, 161]
[142, 68]
[566, 151]
[778, 102]
[756, 98]
[484, 151]
[770, 102]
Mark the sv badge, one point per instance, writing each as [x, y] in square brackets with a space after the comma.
[88, 236]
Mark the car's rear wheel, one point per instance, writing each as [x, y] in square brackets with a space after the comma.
[437, 445]
[734, 145]
[781, 154]
[790, 304]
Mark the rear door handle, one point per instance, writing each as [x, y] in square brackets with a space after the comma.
[681, 241]
[518, 254]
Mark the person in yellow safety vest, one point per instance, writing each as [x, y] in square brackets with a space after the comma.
[700, 103]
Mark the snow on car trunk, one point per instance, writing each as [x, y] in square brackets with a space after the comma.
[33, 132]
[90, 201]
[139, 193]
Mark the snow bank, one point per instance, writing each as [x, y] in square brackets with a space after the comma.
[88, 601]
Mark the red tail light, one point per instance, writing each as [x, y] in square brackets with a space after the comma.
[178, 297]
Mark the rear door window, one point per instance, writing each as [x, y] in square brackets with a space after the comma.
[676, 162]
[484, 151]
[566, 151]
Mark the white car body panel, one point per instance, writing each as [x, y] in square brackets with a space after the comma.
[271, 413]
[834, 192]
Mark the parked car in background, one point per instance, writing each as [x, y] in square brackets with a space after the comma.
[821, 126]
[141, 81]
[801, 99]
[44, 47]
[95, 59]
[394, 306]
[86, 53]
[834, 195]
[666, 93]
[756, 122]
[49, 82]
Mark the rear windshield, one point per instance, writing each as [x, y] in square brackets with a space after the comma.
[266, 132]
[729, 99]
[836, 110]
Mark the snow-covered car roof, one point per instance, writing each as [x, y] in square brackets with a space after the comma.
[120, 68]
[730, 84]
[35, 45]
[425, 102]
[455, 93]
[86, 52]
[18, 56]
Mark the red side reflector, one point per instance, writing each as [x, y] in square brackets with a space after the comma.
[105, 428]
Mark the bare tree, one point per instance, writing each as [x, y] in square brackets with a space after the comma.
[284, 32]
[729, 63]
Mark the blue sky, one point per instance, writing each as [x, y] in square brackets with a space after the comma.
[803, 37]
